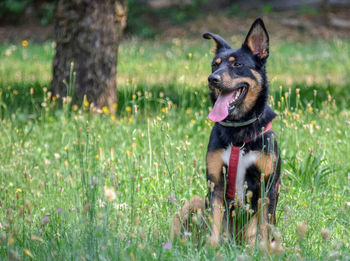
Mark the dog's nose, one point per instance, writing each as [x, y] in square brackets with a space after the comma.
[214, 78]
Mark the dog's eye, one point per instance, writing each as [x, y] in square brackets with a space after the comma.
[235, 64]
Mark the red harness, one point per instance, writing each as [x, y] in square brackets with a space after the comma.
[233, 165]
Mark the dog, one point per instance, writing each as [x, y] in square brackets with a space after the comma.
[243, 161]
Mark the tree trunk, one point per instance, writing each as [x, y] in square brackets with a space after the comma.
[87, 36]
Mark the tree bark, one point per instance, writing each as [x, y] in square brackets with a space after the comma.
[87, 34]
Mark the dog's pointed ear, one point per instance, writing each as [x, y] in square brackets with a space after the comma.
[257, 40]
[220, 43]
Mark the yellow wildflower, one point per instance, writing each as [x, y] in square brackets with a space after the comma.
[128, 109]
[28, 253]
[105, 110]
[25, 43]
[18, 190]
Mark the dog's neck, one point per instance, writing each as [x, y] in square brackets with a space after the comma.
[236, 135]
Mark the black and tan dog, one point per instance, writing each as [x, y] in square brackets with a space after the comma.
[243, 163]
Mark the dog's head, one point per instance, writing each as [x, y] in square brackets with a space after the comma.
[238, 80]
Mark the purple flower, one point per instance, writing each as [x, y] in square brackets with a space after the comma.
[172, 198]
[166, 245]
[0, 225]
[59, 210]
[45, 220]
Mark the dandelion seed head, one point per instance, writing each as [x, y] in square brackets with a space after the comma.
[325, 233]
[109, 193]
[302, 229]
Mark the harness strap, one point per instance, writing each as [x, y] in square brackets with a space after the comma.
[233, 164]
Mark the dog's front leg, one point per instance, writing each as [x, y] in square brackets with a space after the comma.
[215, 181]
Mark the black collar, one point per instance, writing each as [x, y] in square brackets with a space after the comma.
[238, 124]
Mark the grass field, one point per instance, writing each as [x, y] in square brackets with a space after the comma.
[101, 187]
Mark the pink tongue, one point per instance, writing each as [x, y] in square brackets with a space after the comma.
[220, 110]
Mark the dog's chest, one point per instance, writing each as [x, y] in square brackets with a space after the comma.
[246, 159]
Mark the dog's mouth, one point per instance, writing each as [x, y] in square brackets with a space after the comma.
[238, 95]
[228, 101]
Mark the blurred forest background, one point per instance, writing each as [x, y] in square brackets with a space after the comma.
[33, 19]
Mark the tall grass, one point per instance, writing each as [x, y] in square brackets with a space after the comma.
[76, 185]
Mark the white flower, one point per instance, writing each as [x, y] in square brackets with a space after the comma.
[120, 206]
[110, 193]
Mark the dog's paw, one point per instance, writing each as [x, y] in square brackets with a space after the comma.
[213, 241]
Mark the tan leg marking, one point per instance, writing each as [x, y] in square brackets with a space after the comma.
[218, 214]
[214, 165]
[266, 164]
[182, 218]
[252, 227]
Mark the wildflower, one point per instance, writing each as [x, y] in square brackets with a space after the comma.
[101, 203]
[134, 96]
[128, 109]
[249, 195]
[302, 229]
[25, 43]
[105, 110]
[110, 193]
[309, 107]
[172, 197]
[325, 233]
[45, 221]
[0, 225]
[57, 156]
[59, 210]
[166, 245]
[120, 206]
[11, 240]
[47, 162]
[18, 190]
[28, 253]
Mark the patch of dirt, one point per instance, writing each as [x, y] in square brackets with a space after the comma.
[284, 25]
[31, 32]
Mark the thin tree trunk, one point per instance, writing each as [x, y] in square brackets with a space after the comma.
[88, 33]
